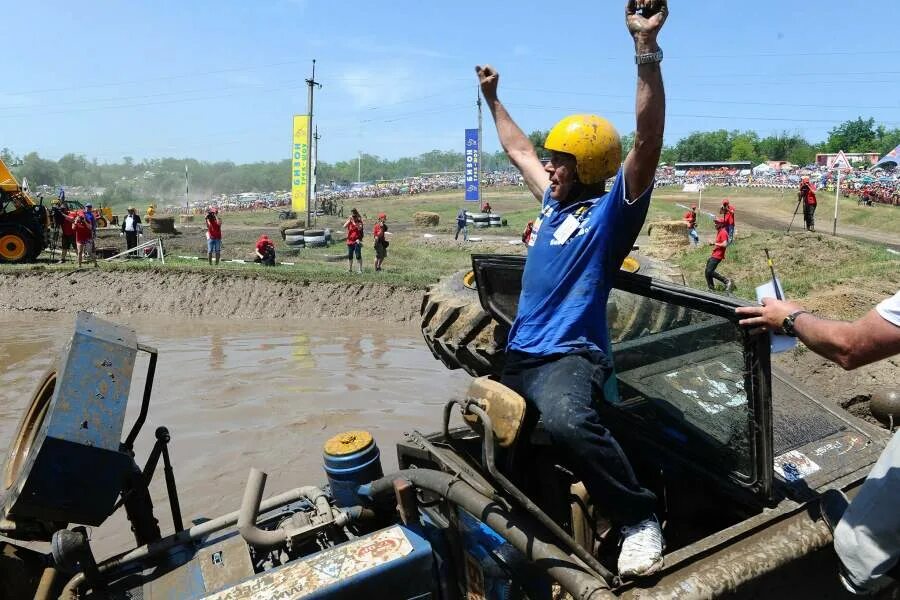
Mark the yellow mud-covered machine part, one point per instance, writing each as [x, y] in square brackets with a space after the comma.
[594, 143]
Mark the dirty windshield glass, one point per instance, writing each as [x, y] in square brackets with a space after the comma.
[681, 374]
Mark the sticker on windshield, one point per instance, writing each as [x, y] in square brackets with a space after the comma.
[794, 466]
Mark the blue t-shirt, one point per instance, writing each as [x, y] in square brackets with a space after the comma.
[567, 279]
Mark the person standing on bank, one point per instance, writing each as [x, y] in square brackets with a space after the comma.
[461, 225]
[131, 228]
[558, 355]
[213, 235]
[727, 211]
[379, 231]
[807, 195]
[354, 227]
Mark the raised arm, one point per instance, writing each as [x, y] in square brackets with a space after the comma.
[641, 163]
[515, 143]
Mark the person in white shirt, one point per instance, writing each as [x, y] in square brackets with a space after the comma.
[131, 228]
[867, 536]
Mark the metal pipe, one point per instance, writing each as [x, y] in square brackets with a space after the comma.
[48, 581]
[253, 535]
[533, 509]
[145, 401]
[197, 532]
[572, 575]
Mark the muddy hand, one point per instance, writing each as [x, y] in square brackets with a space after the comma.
[655, 13]
[488, 78]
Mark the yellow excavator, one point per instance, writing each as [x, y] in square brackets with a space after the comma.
[24, 223]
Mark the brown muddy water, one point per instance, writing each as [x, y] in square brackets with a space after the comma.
[240, 393]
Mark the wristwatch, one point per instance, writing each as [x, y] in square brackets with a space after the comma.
[646, 59]
[787, 326]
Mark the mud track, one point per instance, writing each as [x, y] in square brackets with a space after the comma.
[183, 294]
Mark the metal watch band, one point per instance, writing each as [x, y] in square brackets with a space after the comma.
[646, 59]
[788, 324]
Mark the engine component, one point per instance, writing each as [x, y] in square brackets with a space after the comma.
[351, 459]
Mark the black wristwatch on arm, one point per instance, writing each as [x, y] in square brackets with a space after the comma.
[787, 326]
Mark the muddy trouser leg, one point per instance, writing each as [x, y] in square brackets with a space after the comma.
[564, 390]
[866, 538]
[458, 229]
[692, 233]
[812, 216]
[711, 274]
[807, 215]
[130, 240]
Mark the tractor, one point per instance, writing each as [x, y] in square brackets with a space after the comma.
[24, 223]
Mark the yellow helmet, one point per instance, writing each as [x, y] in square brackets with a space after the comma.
[594, 143]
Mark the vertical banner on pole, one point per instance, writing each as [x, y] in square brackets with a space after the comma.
[473, 185]
[299, 161]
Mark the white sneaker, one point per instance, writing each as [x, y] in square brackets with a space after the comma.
[642, 547]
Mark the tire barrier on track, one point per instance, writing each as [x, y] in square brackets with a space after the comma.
[481, 220]
[495, 220]
[315, 238]
[294, 240]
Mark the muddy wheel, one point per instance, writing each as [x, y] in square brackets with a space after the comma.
[28, 429]
[15, 246]
[462, 335]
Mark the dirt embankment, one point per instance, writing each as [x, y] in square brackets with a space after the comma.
[200, 294]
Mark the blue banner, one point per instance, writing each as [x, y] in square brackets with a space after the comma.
[473, 186]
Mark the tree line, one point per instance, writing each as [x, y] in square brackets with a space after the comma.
[163, 179]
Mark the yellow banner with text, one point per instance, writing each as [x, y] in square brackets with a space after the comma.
[299, 162]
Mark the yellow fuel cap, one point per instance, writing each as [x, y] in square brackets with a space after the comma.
[348, 443]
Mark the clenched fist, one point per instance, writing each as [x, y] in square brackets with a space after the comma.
[646, 17]
[488, 78]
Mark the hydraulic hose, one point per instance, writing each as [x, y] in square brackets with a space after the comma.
[572, 575]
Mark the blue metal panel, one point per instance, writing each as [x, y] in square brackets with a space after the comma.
[74, 470]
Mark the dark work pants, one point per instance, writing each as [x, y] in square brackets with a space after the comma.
[711, 274]
[809, 215]
[131, 238]
[563, 389]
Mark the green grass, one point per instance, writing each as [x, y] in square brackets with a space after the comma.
[805, 263]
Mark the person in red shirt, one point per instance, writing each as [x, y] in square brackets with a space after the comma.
[354, 227]
[487, 207]
[67, 233]
[381, 244]
[84, 236]
[690, 217]
[265, 251]
[213, 234]
[728, 215]
[718, 255]
[807, 195]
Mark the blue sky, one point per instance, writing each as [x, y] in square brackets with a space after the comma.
[220, 80]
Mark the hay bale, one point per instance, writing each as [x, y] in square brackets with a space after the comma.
[162, 224]
[186, 219]
[667, 238]
[426, 219]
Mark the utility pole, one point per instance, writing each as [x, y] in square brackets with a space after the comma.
[480, 147]
[315, 168]
[312, 84]
[837, 199]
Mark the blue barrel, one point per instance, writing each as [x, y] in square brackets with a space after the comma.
[351, 459]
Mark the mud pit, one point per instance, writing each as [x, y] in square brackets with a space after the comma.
[236, 394]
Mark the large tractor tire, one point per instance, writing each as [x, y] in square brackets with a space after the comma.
[462, 335]
[15, 245]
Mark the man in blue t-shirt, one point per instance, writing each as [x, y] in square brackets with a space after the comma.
[558, 352]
